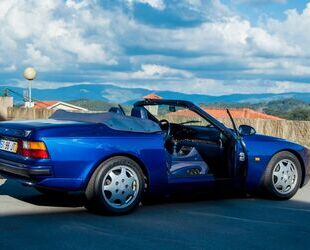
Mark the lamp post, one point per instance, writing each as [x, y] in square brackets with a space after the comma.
[30, 74]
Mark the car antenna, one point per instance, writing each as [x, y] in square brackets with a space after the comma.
[233, 123]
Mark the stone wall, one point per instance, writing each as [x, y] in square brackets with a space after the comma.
[28, 113]
[5, 103]
[298, 131]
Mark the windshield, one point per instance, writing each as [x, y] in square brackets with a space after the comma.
[176, 114]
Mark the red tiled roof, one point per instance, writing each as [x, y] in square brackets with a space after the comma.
[221, 113]
[152, 96]
[44, 104]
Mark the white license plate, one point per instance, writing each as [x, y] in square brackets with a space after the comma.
[9, 146]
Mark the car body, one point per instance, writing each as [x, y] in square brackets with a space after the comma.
[64, 152]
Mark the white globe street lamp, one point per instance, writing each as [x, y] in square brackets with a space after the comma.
[30, 74]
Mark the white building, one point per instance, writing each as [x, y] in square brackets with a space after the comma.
[55, 105]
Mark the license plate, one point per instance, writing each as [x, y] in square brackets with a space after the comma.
[9, 146]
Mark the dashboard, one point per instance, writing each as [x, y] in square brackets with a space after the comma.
[201, 133]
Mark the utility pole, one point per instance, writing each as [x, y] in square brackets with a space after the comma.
[6, 92]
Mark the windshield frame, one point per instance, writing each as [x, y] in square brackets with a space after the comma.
[191, 106]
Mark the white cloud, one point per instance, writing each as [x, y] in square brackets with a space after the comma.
[194, 2]
[57, 35]
[35, 58]
[147, 73]
[158, 71]
[38, 84]
[197, 86]
[78, 5]
[287, 86]
[10, 68]
[156, 4]
[293, 29]
[288, 67]
[213, 86]
[260, 1]
[232, 36]
[262, 41]
[54, 34]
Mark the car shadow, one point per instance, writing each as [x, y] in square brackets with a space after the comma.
[32, 196]
[77, 199]
[213, 222]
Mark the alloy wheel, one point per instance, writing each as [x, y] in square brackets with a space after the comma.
[120, 186]
[284, 176]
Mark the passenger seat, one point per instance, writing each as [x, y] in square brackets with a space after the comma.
[139, 112]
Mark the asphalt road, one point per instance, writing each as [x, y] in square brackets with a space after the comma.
[29, 220]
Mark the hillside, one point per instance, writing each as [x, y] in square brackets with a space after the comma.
[293, 106]
[114, 94]
[290, 109]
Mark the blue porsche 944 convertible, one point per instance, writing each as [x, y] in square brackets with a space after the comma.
[116, 159]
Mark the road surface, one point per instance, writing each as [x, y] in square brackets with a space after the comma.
[29, 220]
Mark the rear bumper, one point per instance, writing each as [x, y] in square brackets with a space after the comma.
[19, 170]
[42, 176]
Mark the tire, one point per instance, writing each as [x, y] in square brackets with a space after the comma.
[116, 187]
[51, 192]
[283, 176]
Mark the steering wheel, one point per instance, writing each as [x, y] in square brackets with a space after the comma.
[165, 125]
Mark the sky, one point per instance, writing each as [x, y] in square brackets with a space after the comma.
[214, 47]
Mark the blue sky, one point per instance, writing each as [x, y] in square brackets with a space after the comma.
[193, 46]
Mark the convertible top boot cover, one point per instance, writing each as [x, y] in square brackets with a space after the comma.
[112, 120]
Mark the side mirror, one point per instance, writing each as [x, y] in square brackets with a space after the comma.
[172, 108]
[246, 130]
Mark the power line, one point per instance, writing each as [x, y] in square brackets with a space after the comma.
[27, 98]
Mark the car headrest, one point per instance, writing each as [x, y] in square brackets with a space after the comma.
[116, 110]
[139, 112]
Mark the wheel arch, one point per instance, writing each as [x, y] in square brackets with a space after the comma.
[128, 155]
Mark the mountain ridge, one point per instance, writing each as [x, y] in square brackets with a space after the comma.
[111, 93]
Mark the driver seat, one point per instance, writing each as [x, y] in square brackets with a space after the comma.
[139, 112]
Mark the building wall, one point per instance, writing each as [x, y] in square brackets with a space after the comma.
[5, 103]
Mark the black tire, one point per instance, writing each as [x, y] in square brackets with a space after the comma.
[51, 192]
[269, 180]
[96, 198]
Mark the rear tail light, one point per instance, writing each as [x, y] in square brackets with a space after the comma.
[33, 149]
